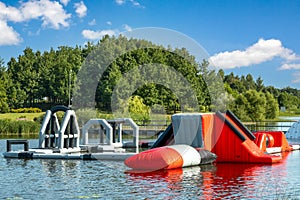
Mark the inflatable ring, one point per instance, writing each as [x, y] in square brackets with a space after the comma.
[270, 140]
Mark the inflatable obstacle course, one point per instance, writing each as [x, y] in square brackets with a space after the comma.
[188, 137]
[224, 135]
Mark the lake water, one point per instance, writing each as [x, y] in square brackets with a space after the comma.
[78, 179]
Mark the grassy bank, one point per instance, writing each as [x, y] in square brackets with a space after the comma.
[19, 124]
[20, 116]
[289, 114]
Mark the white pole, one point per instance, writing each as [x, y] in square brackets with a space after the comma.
[70, 73]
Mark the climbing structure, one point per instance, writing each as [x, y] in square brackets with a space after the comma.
[222, 134]
[60, 139]
[234, 143]
[111, 134]
[64, 136]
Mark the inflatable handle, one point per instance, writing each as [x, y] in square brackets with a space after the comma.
[59, 108]
[240, 125]
[237, 132]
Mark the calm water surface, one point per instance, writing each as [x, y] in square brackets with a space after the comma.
[76, 179]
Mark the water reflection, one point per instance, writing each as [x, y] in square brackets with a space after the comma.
[65, 169]
[75, 179]
[174, 183]
[235, 179]
[39, 178]
[220, 181]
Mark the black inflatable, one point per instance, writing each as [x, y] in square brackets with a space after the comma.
[59, 108]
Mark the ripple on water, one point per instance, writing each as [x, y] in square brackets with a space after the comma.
[75, 179]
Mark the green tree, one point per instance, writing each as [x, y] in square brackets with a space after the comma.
[235, 82]
[35, 75]
[30, 77]
[25, 76]
[143, 55]
[249, 83]
[259, 84]
[67, 63]
[271, 89]
[272, 107]
[15, 93]
[3, 88]
[257, 103]
[284, 100]
[221, 73]
[250, 106]
[240, 106]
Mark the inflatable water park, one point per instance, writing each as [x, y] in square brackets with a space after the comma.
[191, 139]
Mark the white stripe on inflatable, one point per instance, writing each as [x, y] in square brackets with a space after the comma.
[190, 155]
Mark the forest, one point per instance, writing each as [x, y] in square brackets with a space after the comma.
[43, 79]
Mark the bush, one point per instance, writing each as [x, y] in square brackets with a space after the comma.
[26, 110]
[138, 110]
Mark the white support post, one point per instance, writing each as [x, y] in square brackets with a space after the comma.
[104, 123]
[135, 128]
[77, 134]
[43, 129]
[120, 133]
[64, 125]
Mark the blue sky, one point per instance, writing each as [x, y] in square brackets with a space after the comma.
[261, 37]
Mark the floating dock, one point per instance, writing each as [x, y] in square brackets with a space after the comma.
[62, 141]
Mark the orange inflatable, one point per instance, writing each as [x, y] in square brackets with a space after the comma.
[168, 157]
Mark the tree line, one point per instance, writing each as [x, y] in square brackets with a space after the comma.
[36, 79]
[253, 101]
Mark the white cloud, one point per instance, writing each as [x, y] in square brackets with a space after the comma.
[54, 15]
[10, 13]
[133, 2]
[127, 28]
[11, 37]
[51, 13]
[65, 2]
[80, 9]
[288, 66]
[296, 76]
[136, 4]
[93, 22]
[109, 23]
[94, 35]
[120, 2]
[262, 51]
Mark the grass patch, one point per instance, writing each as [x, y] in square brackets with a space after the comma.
[21, 127]
[289, 114]
[18, 116]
